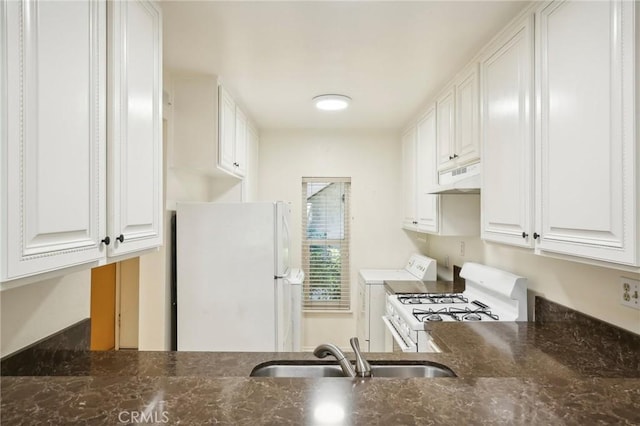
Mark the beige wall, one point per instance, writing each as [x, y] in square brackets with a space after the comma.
[589, 289]
[34, 311]
[372, 160]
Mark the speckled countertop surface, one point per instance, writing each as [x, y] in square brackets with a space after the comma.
[508, 373]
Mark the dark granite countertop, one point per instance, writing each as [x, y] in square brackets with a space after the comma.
[563, 371]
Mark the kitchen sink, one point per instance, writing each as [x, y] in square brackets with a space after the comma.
[395, 369]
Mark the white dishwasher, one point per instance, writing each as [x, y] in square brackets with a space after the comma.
[372, 298]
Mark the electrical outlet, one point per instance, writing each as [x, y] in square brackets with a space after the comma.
[630, 292]
[462, 248]
[446, 261]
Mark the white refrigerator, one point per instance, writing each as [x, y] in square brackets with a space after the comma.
[232, 262]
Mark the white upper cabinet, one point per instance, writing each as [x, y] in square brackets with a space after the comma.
[458, 121]
[135, 122]
[210, 129]
[426, 173]
[429, 213]
[587, 155]
[506, 72]
[467, 146]
[59, 164]
[409, 212]
[227, 144]
[53, 134]
[240, 151]
[446, 134]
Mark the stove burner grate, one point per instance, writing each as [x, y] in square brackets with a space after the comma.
[457, 314]
[432, 299]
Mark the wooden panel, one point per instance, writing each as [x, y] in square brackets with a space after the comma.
[103, 307]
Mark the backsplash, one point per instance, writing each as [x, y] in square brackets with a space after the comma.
[34, 360]
[580, 332]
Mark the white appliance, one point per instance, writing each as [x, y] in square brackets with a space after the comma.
[232, 265]
[372, 297]
[490, 295]
[462, 180]
[292, 341]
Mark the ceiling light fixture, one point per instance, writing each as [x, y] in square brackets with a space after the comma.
[331, 102]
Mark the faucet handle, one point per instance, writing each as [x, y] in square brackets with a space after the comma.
[363, 369]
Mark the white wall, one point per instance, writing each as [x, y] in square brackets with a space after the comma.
[589, 289]
[32, 312]
[372, 160]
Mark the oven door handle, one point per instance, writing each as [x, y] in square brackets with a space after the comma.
[396, 336]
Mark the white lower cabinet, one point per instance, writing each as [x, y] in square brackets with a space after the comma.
[53, 107]
[587, 152]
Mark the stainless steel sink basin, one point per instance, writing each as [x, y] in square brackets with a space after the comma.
[396, 369]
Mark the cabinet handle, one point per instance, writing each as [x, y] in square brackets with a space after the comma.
[236, 164]
[120, 238]
[106, 241]
[536, 235]
[524, 234]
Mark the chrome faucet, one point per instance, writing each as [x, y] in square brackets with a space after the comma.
[363, 369]
[330, 349]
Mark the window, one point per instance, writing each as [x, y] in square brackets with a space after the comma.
[325, 243]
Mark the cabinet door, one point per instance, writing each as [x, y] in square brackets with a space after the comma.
[52, 113]
[585, 130]
[409, 179]
[427, 173]
[467, 146]
[135, 143]
[240, 156]
[227, 124]
[445, 129]
[507, 138]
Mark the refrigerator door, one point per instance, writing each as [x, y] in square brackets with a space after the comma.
[283, 308]
[225, 284]
[289, 310]
[283, 238]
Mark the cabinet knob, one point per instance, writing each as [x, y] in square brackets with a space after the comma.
[120, 238]
[236, 164]
[536, 235]
[524, 234]
[455, 155]
[106, 241]
[450, 157]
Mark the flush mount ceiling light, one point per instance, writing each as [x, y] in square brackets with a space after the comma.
[331, 102]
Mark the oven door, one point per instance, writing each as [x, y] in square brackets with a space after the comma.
[399, 343]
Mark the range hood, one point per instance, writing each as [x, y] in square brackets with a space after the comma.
[463, 180]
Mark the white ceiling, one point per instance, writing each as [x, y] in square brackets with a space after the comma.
[390, 57]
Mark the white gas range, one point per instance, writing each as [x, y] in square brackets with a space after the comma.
[490, 295]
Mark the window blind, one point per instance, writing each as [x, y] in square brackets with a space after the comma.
[325, 243]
